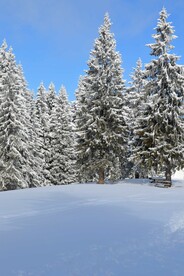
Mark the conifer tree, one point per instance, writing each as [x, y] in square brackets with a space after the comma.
[15, 167]
[160, 129]
[36, 157]
[62, 165]
[101, 126]
[81, 119]
[42, 115]
[135, 101]
[135, 93]
[137, 77]
[50, 98]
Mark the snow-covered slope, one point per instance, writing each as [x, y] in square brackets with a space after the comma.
[129, 228]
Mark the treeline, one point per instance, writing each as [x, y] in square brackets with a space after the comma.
[110, 132]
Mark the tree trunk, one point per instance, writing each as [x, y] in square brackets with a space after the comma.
[168, 172]
[101, 175]
[136, 174]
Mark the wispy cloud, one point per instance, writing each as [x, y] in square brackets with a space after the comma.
[42, 15]
[71, 15]
[66, 15]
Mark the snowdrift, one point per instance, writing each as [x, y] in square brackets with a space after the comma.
[129, 228]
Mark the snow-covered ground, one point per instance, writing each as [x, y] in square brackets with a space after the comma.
[129, 228]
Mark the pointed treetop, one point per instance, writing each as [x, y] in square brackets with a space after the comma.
[4, 45]
[139, 62]
[41, 86]
[41, 90]
[163, 13]
[137, 77]
[11, 55]
[107, 18]
[106, 25]
[162, 21]
[63, 91]
[138, 66]
[164, 35]
[51, 86]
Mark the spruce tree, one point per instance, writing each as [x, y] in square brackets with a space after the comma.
[101, 126]
[50, 97]
[36, 157]
[42, 120]
[135, 101]
[62, 165]
[160, 128]
[15, 166]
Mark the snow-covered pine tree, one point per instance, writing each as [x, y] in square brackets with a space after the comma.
[51, 102]
[62, 165]
[137, 77]
[135, 99]
[81, 119]
[50, 97]
[42, 115]
[160, 129]
[137, 84]
[37, 147]
[36, 158]
[15, 169]
[101, 126]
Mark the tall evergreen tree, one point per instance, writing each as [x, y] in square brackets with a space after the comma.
[101, 126]
[160, 129]
[135, 100]
[62, 166]
[15, 165]
[137, 78]
[36, 156]
[51, 97]
[135, 93]
[42, 119]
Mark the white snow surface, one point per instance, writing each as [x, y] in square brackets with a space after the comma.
[128, 228]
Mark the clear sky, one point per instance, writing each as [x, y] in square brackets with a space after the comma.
[52, 39]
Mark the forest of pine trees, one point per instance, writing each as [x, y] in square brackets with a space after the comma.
[110, 132]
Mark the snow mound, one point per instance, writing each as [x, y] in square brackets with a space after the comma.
[179, 175]
[129, 228]
[176, 223]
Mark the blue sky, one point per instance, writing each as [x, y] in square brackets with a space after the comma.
[53, 38]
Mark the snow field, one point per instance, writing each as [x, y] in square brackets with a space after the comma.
[129, 228]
